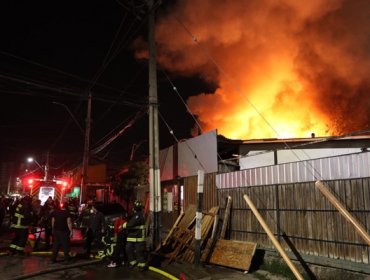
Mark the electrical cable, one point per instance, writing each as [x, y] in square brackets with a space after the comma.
[114, 137]
[119, 97]
[71, 93]
[123, 43]
[58, 71]
[105, 61]
[186, 143]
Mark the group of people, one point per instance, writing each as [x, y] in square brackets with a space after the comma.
[28, 213]
[122, 242]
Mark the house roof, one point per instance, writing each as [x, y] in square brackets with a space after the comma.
[228, 148]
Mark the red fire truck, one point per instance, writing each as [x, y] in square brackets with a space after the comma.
[42, 189]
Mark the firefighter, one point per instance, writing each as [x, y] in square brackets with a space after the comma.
[61, 222]
[95, 225]
[136, 245]
[45, 220]
[72, 209]
[109, 241]
[83, 219]
[119, 256]
[21, 221]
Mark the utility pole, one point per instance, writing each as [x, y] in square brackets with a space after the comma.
[46, 170]
[154, 171]
[85, 163]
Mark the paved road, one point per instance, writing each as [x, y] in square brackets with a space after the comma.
[99, 271]
[13, 267]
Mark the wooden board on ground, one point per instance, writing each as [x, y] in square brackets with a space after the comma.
[233, 253]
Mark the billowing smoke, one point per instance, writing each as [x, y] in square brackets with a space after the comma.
[284, 68]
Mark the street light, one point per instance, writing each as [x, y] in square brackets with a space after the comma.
[31, 159]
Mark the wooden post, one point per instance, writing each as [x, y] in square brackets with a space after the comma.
[198, 217]
[343, 211]
[272, 237]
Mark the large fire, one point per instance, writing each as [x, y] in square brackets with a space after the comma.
[284, 68]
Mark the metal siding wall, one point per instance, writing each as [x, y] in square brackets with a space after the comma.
[333, 168]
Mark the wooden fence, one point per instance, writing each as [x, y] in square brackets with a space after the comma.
[301, 216]
[298, 214]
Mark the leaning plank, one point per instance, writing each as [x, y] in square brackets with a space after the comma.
[171, 231]
[208, 249]
[226, 218]
[188, 218]
[182, 224]
[232, 253]
[207, 222]
[182, 245]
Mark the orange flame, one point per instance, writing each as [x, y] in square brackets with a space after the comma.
[283, 68]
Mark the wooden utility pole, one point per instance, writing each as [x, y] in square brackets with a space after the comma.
[46, 169]
[154, 171]
[85, 163]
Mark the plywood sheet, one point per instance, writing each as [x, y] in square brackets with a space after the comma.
[232, 253]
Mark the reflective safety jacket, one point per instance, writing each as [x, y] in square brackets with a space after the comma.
[135, 228]
[109, 240]
[22, 217]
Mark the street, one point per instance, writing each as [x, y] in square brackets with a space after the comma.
[37, 265]
[96, 271]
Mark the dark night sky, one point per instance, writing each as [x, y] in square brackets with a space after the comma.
[49, 52]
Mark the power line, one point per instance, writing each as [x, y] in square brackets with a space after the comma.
[57, 71]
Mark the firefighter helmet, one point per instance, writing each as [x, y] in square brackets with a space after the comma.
[138, 205]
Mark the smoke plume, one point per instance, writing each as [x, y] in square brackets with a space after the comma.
[284, 68]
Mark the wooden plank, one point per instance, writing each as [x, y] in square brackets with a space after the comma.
[188, 217]
[215, 226]
[207, 222]
[366, 223]
[172, 230]
[234, 254]
[206, 253]
[225, 221]
[182, 242]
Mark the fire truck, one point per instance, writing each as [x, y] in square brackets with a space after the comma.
[42, 189]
